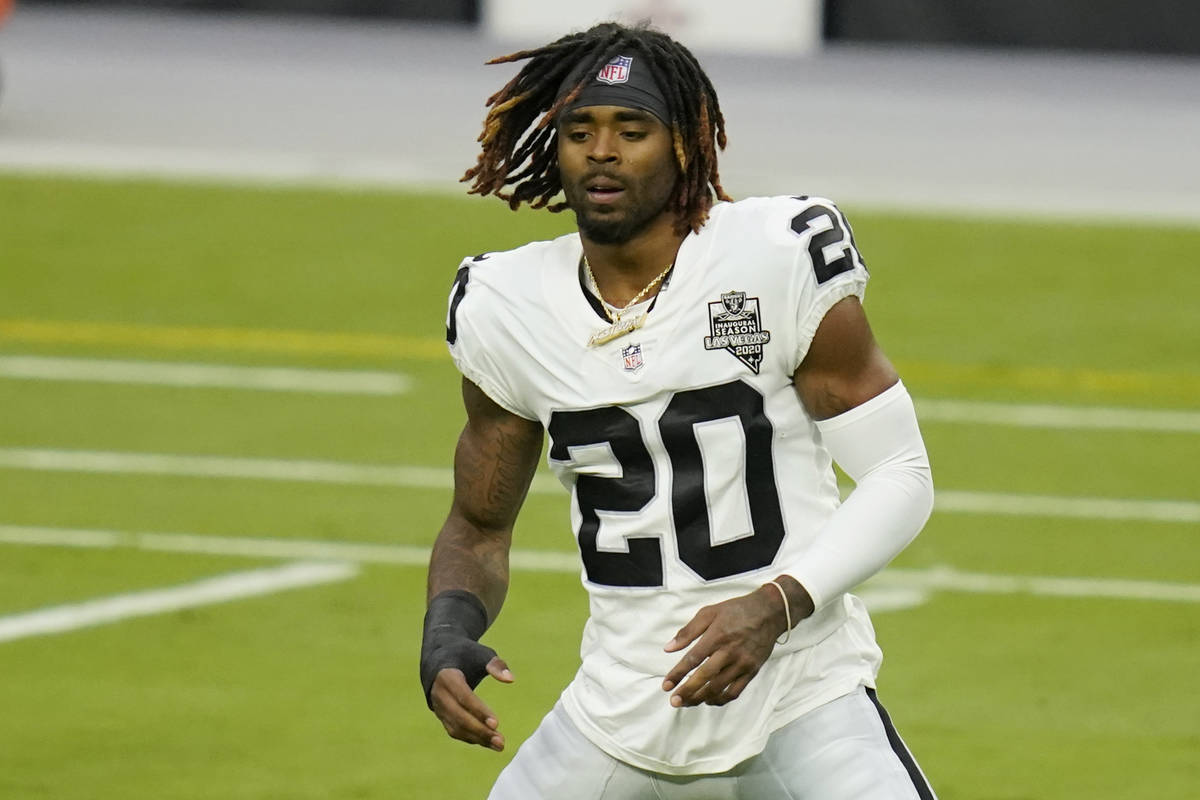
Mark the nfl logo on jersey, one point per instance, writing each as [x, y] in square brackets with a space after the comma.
[632, 356]
[616, 71]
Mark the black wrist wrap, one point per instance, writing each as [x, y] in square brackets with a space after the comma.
[453, 624]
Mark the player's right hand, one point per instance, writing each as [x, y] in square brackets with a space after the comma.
[463, 714]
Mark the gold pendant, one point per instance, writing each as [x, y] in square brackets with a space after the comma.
[617, 330]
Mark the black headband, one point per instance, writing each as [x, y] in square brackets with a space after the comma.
[624, 81]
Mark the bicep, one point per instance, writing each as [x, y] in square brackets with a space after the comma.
[494, 462]
[844, 366]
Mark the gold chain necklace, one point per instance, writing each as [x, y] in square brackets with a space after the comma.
[620, 326]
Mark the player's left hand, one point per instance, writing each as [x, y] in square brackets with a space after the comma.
[732, 641]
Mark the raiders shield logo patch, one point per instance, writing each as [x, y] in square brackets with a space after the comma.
[737, 327]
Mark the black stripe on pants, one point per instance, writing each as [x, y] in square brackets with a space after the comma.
[914, 772]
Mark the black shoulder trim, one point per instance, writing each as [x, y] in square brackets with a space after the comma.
[460, 291]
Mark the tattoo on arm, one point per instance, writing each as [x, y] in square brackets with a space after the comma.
[493, 465]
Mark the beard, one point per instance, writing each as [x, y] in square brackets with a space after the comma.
[612, 229]
[606, 227]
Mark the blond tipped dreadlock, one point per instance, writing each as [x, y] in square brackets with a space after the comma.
[520, 150]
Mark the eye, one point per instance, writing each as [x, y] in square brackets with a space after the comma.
[633, 136]
[577, 136]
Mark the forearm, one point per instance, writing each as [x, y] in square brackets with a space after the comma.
[494, 463]
[879, 445]
[474, 560]
[468, 577]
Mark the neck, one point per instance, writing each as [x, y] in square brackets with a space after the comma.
[622, 270]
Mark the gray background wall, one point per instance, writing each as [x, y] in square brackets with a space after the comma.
[297, 97]
[1147, 26]
[1160, 26]
[444, 10]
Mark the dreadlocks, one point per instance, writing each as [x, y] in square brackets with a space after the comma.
[530, 164]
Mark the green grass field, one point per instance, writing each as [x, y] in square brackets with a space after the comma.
[1006, 687]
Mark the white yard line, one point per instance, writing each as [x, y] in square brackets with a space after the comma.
[402, 555]
[952, 580]
[276, 379]
[1029, 505]
[222, 467]
[26, 367]
[414, 477]
[893, 581]
[1058, 417]
[209, 591]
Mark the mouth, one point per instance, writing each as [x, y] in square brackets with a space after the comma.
[603, 190]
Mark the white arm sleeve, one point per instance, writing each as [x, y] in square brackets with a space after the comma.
[879, 445]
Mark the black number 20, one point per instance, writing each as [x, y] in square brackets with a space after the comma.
[634, 489]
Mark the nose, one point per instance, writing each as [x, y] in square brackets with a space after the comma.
[603, 150]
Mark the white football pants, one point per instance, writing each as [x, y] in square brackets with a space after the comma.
[844, 750]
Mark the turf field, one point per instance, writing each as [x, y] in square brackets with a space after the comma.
[170, 437]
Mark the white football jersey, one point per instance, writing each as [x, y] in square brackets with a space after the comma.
[695, 473]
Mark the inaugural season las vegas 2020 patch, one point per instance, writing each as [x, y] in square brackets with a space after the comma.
[737, 327]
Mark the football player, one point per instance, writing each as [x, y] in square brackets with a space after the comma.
[699, 365]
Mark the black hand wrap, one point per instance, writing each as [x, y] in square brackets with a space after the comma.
[453, 624]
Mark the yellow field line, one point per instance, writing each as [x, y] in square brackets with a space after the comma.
[1172, 387]
[1178, 387]
[243, 340]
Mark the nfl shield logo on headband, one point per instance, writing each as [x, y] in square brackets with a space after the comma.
[616, 71]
